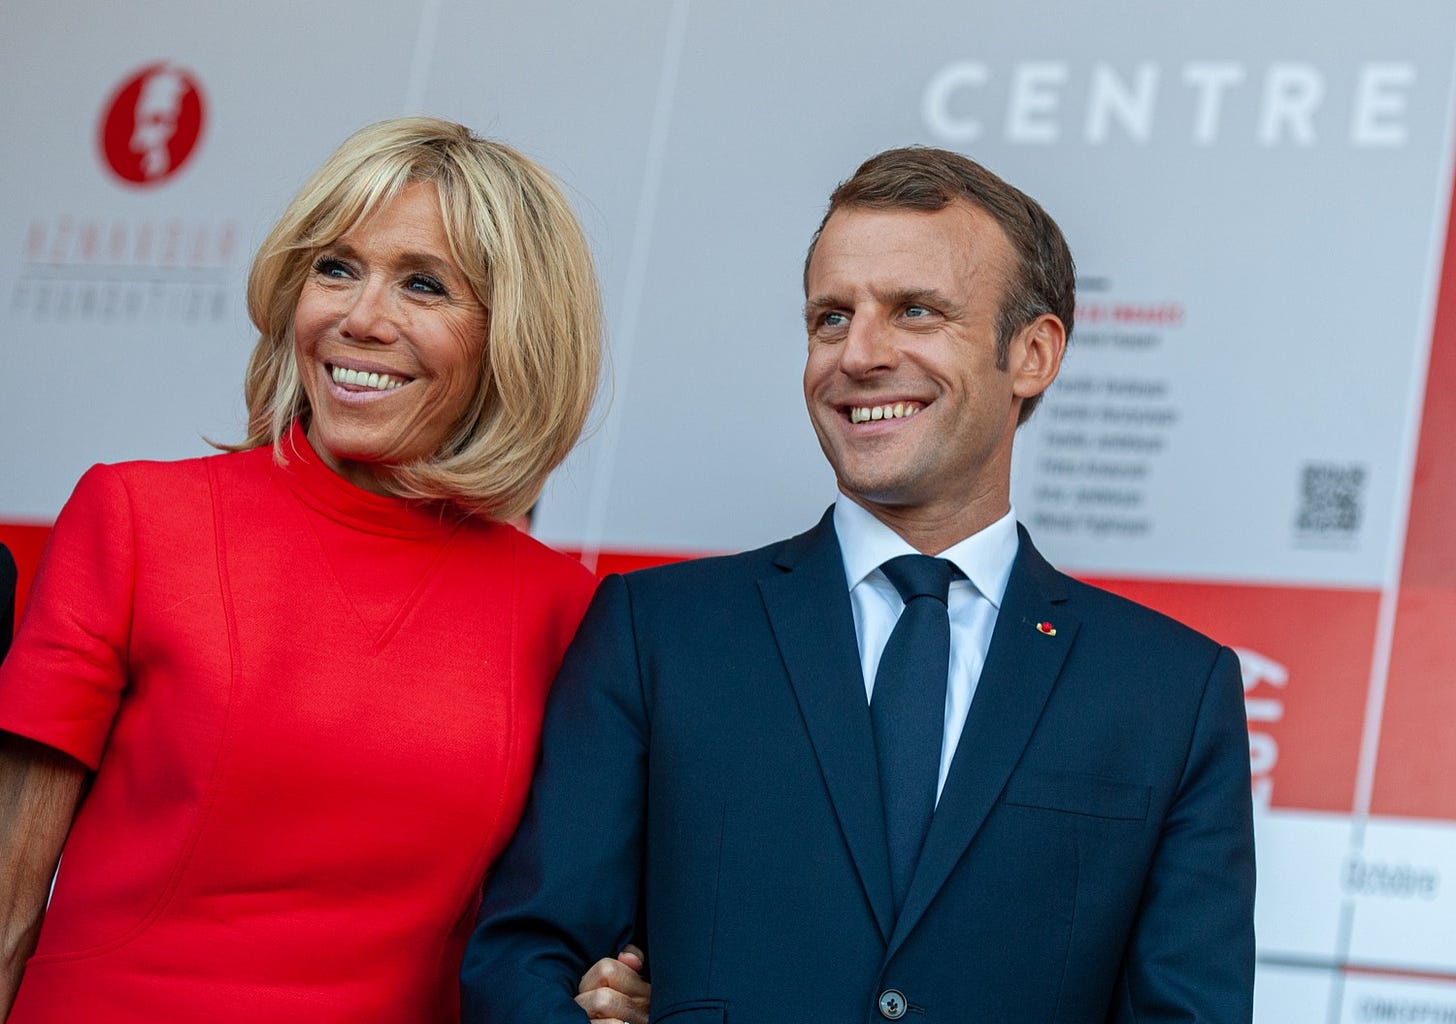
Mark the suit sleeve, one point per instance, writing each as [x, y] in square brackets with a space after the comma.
[565, 892]
[1191, 953]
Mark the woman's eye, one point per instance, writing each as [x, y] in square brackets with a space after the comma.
[331, 266]
[425, 283]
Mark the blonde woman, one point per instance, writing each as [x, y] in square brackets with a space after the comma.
[300, 684]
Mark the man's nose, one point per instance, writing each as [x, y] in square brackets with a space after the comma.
[870, 345]
[371, 315]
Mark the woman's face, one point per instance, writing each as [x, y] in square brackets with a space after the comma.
[389, 338]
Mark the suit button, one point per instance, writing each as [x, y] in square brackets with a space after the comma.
[892, 1004]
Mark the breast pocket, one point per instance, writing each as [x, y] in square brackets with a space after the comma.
[695, 1011]
[1074, 793]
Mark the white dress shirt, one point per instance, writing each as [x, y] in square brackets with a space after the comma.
[985, 558]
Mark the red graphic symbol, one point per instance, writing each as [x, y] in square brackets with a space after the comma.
[1046, 629]
[151, 124]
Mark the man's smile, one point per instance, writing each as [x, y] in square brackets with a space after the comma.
[888, 411]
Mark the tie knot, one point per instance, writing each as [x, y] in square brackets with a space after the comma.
[920, 576]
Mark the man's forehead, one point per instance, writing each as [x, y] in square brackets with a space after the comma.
[893, 251]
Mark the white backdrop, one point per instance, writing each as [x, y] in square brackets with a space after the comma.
[1257, 195]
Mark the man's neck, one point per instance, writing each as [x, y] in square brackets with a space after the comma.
[930, 530]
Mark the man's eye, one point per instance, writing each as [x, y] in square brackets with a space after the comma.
[834, 320]
[915, 312]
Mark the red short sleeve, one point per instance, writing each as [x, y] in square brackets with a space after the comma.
[62, 681]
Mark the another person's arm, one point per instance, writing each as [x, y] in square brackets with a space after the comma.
[39, 790]
[8, 576]
[1191, 953]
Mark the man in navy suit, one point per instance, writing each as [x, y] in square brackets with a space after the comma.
[724, 783]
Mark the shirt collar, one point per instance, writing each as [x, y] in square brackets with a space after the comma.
[985, 557]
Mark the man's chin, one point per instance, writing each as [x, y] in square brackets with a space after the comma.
[876, 495]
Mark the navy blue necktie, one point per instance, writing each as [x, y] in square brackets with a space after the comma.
[907, 708]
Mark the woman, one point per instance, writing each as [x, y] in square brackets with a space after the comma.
[308, 675]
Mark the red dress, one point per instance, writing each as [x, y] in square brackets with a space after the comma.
[313, 712]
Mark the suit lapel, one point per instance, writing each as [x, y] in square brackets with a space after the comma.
[1021, 667]
[808, 606]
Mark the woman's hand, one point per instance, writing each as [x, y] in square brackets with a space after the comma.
[39, 790]
[614, 990]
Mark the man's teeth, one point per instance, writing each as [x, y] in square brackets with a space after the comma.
[866, 413]
[358, 378]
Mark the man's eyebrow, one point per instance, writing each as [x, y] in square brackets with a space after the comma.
[921, 297]
[819, 303]
[931, 297]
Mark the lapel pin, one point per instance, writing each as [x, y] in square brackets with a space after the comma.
[1046, 629]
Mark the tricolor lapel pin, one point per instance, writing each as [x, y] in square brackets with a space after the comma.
[1046, 629]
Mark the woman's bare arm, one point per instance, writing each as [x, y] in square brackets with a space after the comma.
[39, 790]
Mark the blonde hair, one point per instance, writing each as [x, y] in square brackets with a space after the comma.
[515, 238]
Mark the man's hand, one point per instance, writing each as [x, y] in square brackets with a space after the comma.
[614, 991]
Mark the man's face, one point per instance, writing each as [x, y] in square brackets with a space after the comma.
[901, 379]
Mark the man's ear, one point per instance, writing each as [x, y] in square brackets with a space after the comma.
[1036, 355]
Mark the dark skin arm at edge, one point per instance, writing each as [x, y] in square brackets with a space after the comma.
[39, 791]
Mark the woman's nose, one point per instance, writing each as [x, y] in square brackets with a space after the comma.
[371, 315]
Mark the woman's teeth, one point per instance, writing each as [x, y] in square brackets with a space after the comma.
[360, 379]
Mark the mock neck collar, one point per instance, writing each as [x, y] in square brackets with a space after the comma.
[328, 493]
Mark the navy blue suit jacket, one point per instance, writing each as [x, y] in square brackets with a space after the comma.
[708, 788]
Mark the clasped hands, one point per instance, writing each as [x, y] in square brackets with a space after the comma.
[613, 991]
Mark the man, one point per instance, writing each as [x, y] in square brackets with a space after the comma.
[733, 772]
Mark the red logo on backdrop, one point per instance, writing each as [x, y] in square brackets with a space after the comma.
[152, 123]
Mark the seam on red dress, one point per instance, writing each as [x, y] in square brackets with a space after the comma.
[184, 857]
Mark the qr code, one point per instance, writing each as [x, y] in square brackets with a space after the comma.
[1331, 500]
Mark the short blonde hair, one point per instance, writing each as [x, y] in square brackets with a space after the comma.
[514, 236]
